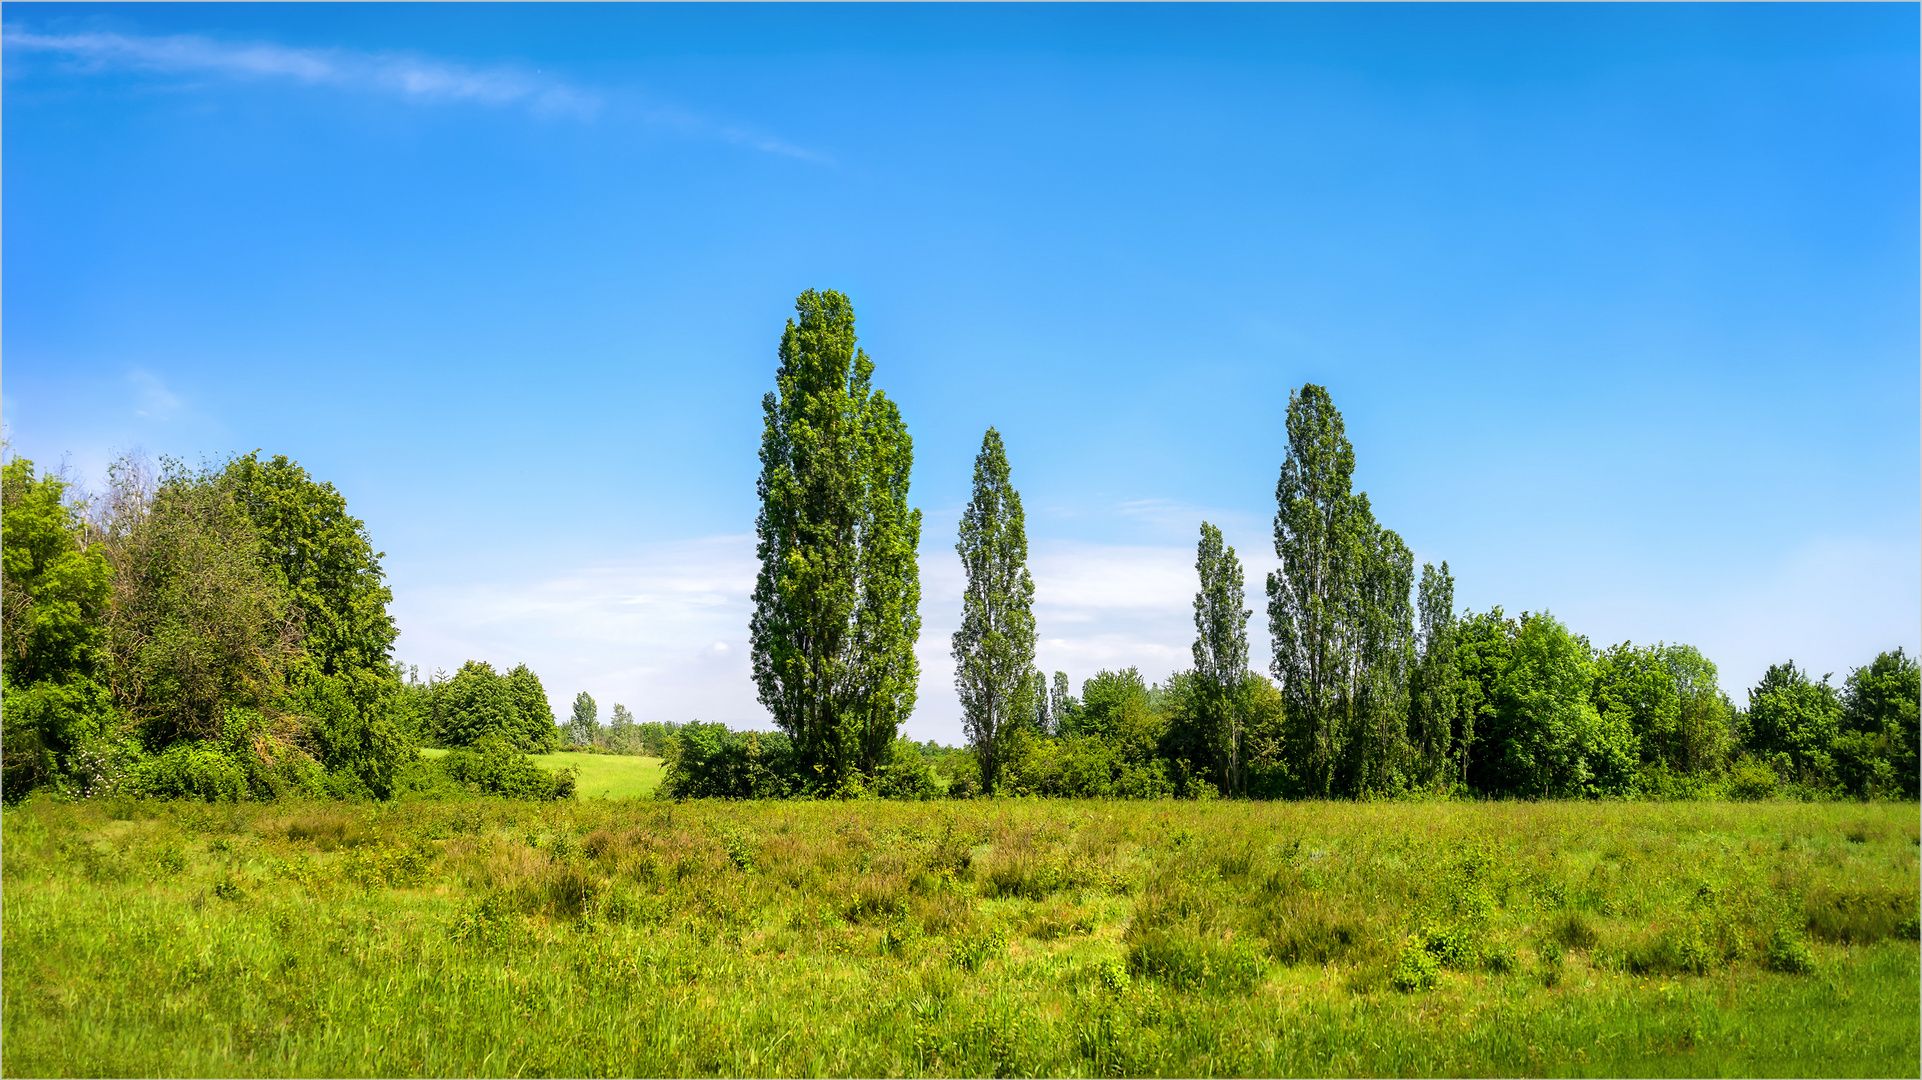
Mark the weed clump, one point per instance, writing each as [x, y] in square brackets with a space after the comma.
[1416, 968]
[1191, 961]
[1788, 953]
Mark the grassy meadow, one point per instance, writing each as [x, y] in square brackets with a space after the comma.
[1004, 938]
[600, 776]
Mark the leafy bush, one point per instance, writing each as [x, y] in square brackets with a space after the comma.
[905, 774]
[1416, 968]
[353, 723]
[190, 771]
[1788, 953]
[493, 766]
[1751, 780]
[707, 761]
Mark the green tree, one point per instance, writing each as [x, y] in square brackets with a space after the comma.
[623, 735]
[1221, 652]
[536, 732]
[836, 602]
[1437, 725]
[476, 703]
[1541, 735]
[1383, 656]
[1338, 611]
[54, 594]
[994, 670]
[886, 673]
[326, 565]
[1792, 723]
[1063, 706]
[198, 624]
[585, 721]
[1669, 697]
[1879, 704]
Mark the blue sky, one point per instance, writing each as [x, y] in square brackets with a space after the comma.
[1619, 301]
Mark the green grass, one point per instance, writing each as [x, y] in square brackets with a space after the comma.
[602, 776]
[988, 938]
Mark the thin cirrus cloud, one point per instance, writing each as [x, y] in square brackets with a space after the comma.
[408, 77]
[664, 630]
[412, 78]
[152, 399]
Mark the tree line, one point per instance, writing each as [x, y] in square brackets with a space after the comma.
[1376, 685]
[222, 632]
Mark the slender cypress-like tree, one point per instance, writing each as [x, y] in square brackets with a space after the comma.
[836, 603]
[1338, 612]
[994, 671]
[1310, 598]
[1221, 650]
[1436, 727]
[888, 621]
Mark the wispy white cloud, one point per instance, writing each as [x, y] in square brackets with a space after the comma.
[152, 399]
[664, 631]
[694, 125]
[409, 77]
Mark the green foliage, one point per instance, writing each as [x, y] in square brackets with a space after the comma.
[475, 704]
[1529, 682]
[905, 773]
[1793, 721]
[707, 761]
[354, 724]
[190, 771]
[623, 734]
[535, 732]
[1879, 712]
[836, 602]
[321, 559]
[1440, 732]
[53, 589]
[585, 721]
[1669, 698]
[1221, 657]
[1338, 613]
[198, 623]
[1788, 953]
[495, 766]
[994, 673]
[51, 731]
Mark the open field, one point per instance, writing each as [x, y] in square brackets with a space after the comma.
[989, 938]
[602, 776]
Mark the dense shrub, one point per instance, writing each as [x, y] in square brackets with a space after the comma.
[707, 761]
[493, 766]
[190, 771]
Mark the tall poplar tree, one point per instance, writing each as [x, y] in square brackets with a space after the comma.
[836, 603]
[1311, 596]
[1221, 650]
[1437, 727]
[1338, 611]
[994, 671]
